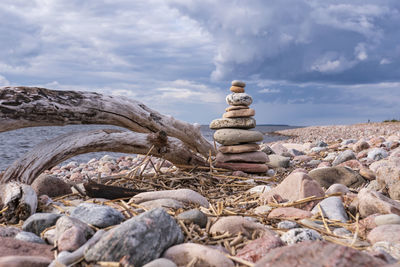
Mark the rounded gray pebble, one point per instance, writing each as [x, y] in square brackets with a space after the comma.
[194, 216]
[332, 208]
[238, 83]
[387, 219]
[29, 237]
[161, 262]
[297, 235]
[97, 215]
[239, 99]
[287, 225]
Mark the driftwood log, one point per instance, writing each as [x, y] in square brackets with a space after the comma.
[22, 107]
[17, 202]
[52, 152]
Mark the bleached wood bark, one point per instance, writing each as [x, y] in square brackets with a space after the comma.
[52, 152]
[31, 106]
[18, 200]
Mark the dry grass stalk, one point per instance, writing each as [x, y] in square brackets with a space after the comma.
[323, 219]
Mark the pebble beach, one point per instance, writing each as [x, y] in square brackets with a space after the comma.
[330, 197]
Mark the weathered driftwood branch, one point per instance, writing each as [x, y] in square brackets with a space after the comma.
[31, 106]
[95, 190]
[52, 152]
[17, 201]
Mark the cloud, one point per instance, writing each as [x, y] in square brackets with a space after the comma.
[178, 56]
[190, 92]
[302, 41]
[4, 81]
[269, 91]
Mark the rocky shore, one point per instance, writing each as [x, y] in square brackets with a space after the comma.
[331, 198]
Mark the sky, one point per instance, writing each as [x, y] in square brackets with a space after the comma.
[305, 62]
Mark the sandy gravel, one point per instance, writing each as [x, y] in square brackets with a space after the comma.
[336, 132]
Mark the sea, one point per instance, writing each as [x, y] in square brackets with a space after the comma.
[14, 144]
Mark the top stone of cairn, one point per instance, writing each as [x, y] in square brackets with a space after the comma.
[238, 83]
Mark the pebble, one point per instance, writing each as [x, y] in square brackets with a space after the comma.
[311, 223]
[318, 149]
[195, 216]
[377, 154]
[245, 167]
[236, 89]
[344, 156]
[237, 136]
[337, 175]
[9, 231]
[388, 178]
[239, 99]
[360, 146]
[238, 83]
[266, 149]
[287, 225]
[332, 207]
[371, 202]
[183, 254]
[97, 215]
[321, 144]
[313, 163]
[230, 108]
[279, 149]
[262, 210]
[297, 235]
[259, 189]
[342, 232]
[182, 195]
[258, 248]
[277, 161]
[239, 113]
[348, 141]
[289, 213]
[50, 185]
[296, 186]
[237, 123]
[162, 203]
[71, 233]
[387, 219]
[251, 157]
[160, 262]
[29, 237]
[367, 174]
[331, 156]
[235, 225]
[387, 232]
[11, 246]
[38, 222]
[24, 261]
[393, 249]
[318, 253]
[337, 188]
[144, 238]
[239, 148]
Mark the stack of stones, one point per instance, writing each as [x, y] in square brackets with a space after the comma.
[239, 150]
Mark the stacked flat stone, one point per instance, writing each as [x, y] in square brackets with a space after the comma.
[239, 150]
